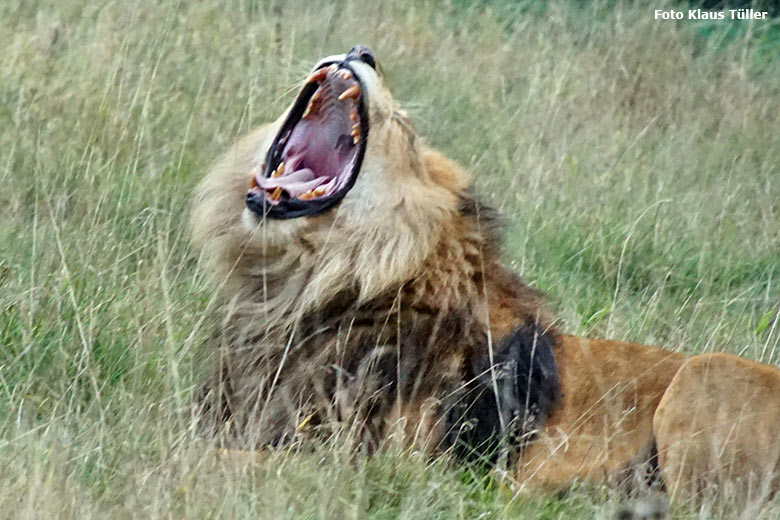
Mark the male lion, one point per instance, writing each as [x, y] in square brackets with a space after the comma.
[365, 298]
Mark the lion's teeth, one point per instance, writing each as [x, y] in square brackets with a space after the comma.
[333, 67]
[345, 75]
[319, 191]
[351, 92]
[353, 116]
[355, 139]
[312, 106]
[306, 195]
[355, 129]
[317, 75]
[279, 171]
[253, 182]
[277, 194]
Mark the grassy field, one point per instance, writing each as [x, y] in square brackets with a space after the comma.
[637, 163]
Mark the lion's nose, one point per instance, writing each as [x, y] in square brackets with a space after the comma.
[362, 53]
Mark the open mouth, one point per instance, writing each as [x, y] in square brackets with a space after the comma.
[316, 156]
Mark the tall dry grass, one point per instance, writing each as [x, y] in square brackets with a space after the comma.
[636, 163]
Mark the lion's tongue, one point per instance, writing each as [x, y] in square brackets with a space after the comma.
[295, 183]
[312, 156]
[316, 140]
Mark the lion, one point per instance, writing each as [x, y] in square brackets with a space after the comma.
[365, 300]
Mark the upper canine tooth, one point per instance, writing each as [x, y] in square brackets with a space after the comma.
[317, 75]
[351, 92]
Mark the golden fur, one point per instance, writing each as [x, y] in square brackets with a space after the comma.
[400, 287]
[718, 427]
[602, 428]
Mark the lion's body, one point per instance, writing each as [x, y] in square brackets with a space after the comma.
[603, 424]
[718, 426]
[391, 316]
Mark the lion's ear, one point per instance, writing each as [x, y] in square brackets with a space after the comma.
[444, 172]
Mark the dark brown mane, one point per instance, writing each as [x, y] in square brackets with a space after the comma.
[427, 343]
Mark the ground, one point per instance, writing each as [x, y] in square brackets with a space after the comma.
[635, 161]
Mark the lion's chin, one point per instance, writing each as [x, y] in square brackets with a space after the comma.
[281, 234]
[315, 158]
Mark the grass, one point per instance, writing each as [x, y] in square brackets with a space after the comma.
[636, 163]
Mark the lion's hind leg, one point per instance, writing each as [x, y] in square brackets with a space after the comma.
[717, 429]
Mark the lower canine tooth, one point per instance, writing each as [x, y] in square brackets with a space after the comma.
[279, 170]
[312, 106]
